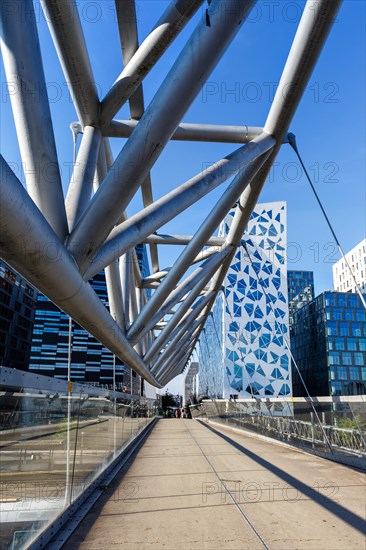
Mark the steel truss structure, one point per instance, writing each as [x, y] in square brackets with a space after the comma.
[90, 231]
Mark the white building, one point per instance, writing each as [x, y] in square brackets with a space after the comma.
[342, 278]
[243, 349]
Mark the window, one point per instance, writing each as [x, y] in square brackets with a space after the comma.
[332, 373]
[353, 300]
[351, 344]
[347, 358]
[353, 373]
[339, 343]
[337, 314]
[360, 315]
[343, 329]
[342, 300]
[332, 328]
[362, 344]
[329, 300]
[333, 358]
[356, 329]
[342, 373]
[348, 315]
[336, 388]
[359, 360]
[363, 373]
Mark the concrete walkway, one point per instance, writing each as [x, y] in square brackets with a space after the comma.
[190, 488]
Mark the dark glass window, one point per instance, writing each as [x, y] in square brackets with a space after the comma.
[356, 329]
[341, 373]
[359, 360]
[360, 315]
[332, 328]
[337, 314]
[346, 358]
[343, 329]
[353, 373]
[349, 315]
[351, 344]
[339, 343]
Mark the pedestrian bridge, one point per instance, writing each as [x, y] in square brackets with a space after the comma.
[99, 469]
[193, 487]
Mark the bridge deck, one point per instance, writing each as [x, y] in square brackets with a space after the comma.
[190, 488]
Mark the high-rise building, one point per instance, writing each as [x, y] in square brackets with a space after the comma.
[190, 384]
[342, 277]
[91, 362]
[300, 286]
[329, 346]
[243, 349]
[17, 308]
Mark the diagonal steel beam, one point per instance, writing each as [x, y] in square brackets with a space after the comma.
[81, 184]
[28, 94]
[25, 246]
[156, 126]
[148, 220]
[206, 269]
[260, 148]
[139, 60]
[127, 24]
[315, 24]
[63, 20]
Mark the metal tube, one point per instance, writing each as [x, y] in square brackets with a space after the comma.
[140, 60]
[156, 126]
[148, 220]
[125, 273]
[177, 361]
[152, 315]
[261, 145]
[28, 94]
[65, 27]
[114, 291]
[27, 246]
[215, 133]
[81, 184]
[179, 330]
[179, 314]
[181, 240]
[127, 25]
[313, 29]
[175, 354]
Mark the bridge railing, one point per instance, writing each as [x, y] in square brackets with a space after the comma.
[334, 427]
[55, 446]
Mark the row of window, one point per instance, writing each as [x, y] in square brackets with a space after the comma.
[343, 373]
[350, 344]
[347, 314]
[347, 358]
[345, 328]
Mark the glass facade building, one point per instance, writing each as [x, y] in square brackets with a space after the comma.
[329, 346]
[300, 286]
[243, 350]
[17, 310]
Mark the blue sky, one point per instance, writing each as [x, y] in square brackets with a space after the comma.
[329, 123]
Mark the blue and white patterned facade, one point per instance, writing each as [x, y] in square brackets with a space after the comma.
[255, 359]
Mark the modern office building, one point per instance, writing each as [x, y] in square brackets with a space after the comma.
[342, 278]
[90, 361]
[17, 311]
[243, 350]
[190, 386]
[329, 346]
[300, 286]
